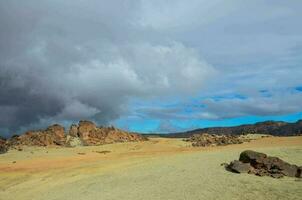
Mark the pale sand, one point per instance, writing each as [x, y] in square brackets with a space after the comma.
[156, 169]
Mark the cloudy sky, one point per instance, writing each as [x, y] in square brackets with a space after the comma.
[149, 66]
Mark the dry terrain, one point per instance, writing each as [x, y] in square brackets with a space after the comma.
[156, 169]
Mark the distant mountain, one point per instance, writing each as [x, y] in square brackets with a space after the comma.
[276, 128]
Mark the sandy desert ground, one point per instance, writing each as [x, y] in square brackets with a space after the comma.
[156, 169]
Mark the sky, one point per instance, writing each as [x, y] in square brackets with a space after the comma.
[149, 66]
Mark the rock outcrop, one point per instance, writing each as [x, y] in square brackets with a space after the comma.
[90, 134]
[53, 135]
[85, 133]
[204, 140]
[262, 165]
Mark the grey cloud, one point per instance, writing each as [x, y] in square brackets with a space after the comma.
[61, 61]
[281, 103]
[277, 103]
[64, 61]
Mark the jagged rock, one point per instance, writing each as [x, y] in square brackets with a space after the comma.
[203, 140]
[58, 133]
[263, 165]
[85, 128]
[90, 134]
[85, 133]
[239, 167]
[53, 135]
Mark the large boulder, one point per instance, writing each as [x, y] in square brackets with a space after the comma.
[252, 157]
[57, 132]
[85, 128]
[263, 165]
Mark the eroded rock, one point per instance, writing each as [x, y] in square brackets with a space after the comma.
[85, 133]
[263, 165]
[89, 134]
[204, 140]
[53, 135]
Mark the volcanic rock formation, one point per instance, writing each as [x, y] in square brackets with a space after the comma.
[90, 134]
[85, 133]
[203, 140]
[53, 135]
[262, 165]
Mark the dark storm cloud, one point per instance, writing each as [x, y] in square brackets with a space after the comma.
[65, 61]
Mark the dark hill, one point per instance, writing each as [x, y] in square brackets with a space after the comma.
[276, 128]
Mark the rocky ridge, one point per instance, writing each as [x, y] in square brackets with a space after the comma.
[85, 133]
[88, 134]
[275, 128]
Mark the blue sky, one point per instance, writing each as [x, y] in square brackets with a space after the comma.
[149, 66]
[157, 117]
[170, 126]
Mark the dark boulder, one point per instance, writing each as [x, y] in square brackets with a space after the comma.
[251, 156]
[262, 165]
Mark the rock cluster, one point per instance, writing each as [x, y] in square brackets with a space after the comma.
[85, 133]
[262, 165]
[53, 135]
[204, 140]
[89, 134]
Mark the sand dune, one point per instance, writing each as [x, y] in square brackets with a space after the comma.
[157, 169]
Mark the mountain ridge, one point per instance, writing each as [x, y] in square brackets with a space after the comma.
[275, 128]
